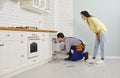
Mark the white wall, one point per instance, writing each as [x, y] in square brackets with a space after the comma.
[60, 18]
[64, 16]
[108, 11]
[11, 14]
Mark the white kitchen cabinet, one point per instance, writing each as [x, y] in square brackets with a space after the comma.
[39, 6]
[8, 52]
[12, 35]
[50, 46]
[13, 53]
[1, 68]
[45, 46]
[46, 51]
[12, 50]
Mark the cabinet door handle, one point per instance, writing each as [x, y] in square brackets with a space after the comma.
[43, 35]
[1, 45]
[43, 40]
[21, 41]
[21, 35]
[22, 55]
[8, 35]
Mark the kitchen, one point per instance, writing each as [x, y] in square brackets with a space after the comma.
[24, 27]
[63, 17]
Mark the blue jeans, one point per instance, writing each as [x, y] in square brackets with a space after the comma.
[102, 46]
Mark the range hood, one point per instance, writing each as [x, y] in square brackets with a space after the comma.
[38, 6]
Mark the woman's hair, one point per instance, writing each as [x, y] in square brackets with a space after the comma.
[85, 13]
[60, 35]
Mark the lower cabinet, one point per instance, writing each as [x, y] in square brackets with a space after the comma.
[45, 49]
[14, 52]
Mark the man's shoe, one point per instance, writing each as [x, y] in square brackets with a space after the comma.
[85, 55]
[67, 59]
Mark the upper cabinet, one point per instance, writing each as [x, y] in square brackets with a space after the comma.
[39, 6]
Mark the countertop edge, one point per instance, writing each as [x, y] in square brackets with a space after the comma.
[25, 29]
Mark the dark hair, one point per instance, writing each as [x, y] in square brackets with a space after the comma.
[85, 13]
[60, 35]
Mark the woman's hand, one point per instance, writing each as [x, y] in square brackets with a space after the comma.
[98, 36]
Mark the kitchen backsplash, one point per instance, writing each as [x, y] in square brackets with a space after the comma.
[64, 16]
[61, 18]
[13, 15]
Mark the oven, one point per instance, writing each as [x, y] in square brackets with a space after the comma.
[33, 46]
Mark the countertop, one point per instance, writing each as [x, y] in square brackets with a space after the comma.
[26, 29]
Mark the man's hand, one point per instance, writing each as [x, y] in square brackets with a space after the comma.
[57, 52]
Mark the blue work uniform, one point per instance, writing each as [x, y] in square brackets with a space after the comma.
[70, 48]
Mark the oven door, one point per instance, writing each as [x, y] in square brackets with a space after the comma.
[33, 50]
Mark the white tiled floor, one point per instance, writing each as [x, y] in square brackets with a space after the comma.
[79, 69]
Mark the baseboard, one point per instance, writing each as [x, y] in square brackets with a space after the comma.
[112, 57]
[108, 57]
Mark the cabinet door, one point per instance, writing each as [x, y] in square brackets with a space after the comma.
[45, 49]
[14, 35]
[1, 68]
[50, 48]
[8, 54]
[21, 57]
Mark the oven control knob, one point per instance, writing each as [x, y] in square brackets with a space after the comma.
[21, 35]
[8, 35]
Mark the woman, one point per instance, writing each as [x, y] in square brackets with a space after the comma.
[98, 28]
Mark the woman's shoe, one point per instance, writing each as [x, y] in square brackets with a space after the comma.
[100, 62]
[91, 61]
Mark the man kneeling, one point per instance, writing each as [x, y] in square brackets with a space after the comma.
[73, 47]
